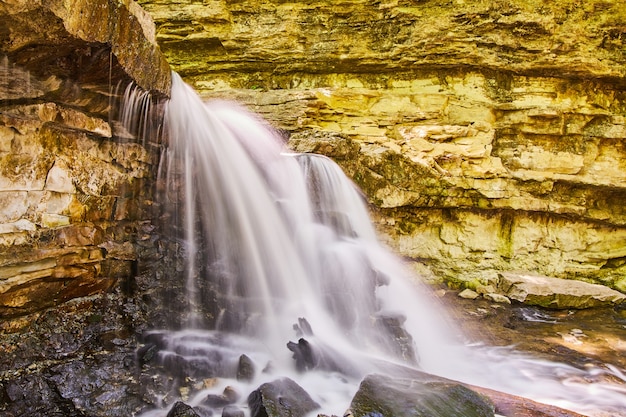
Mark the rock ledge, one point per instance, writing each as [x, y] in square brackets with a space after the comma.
[556, 293]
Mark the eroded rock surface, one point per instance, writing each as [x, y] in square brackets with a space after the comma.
[384, 396]
[488, 135]
[88, 42]
[75, 185]
[557, 293]
[73, 200]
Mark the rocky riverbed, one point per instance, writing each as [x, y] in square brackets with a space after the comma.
[85, 359]
[589, 336]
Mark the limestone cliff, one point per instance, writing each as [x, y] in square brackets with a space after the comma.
[489, 135]
[75, 188]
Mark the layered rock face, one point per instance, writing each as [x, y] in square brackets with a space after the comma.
[488, 135]
[77, 220]
[75, 189]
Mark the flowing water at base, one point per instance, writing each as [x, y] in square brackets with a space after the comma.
[280, 249]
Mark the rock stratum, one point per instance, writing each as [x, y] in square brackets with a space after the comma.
[488, 135]
[75, 186]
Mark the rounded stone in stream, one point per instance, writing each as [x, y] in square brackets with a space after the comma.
[384, 396]
[245, 369]
[280, 398]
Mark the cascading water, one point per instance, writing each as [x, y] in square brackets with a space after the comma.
[279, 246]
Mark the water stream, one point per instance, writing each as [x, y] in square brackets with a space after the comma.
[280, 248]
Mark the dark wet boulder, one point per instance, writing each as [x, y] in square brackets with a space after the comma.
[190, 367]
[180, 409]
[313, 353]
[280, 398]
[303, 354]
[318, 355]
[383, 396]
[245, 369]
[146, 353]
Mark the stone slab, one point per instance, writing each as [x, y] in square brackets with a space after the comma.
[556, 293]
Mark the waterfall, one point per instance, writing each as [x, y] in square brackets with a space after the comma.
[279, 248]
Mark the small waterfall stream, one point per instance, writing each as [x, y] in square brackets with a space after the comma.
[280, 249]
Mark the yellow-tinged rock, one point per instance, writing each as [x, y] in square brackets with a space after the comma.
[52, 220]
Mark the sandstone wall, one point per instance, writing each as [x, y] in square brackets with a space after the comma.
[75, 188]
[489, 135]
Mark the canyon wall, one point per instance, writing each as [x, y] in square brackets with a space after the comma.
[488, 135]
[75, 186]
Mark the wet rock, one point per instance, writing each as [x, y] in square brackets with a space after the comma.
[102, 385]
[197, 356]
[313, 353]
[280, 398]
[556, 293]
[388, 397]
[303, 327]
[317, 355]
[245, 369]
[229, 396]
[189, 367]
[397, 337]
[35, 396]
[146, 353]
[180, 409]
[511, 405]
[303, 354]
[232, 411]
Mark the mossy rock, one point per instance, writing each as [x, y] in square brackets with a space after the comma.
[383, 396]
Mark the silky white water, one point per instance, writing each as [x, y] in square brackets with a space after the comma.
[280, 237]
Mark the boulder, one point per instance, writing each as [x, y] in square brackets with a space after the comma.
[180, 409]
[384, 396]
[280, 398]
[415, 393]
[556, 293]
[245, 369]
